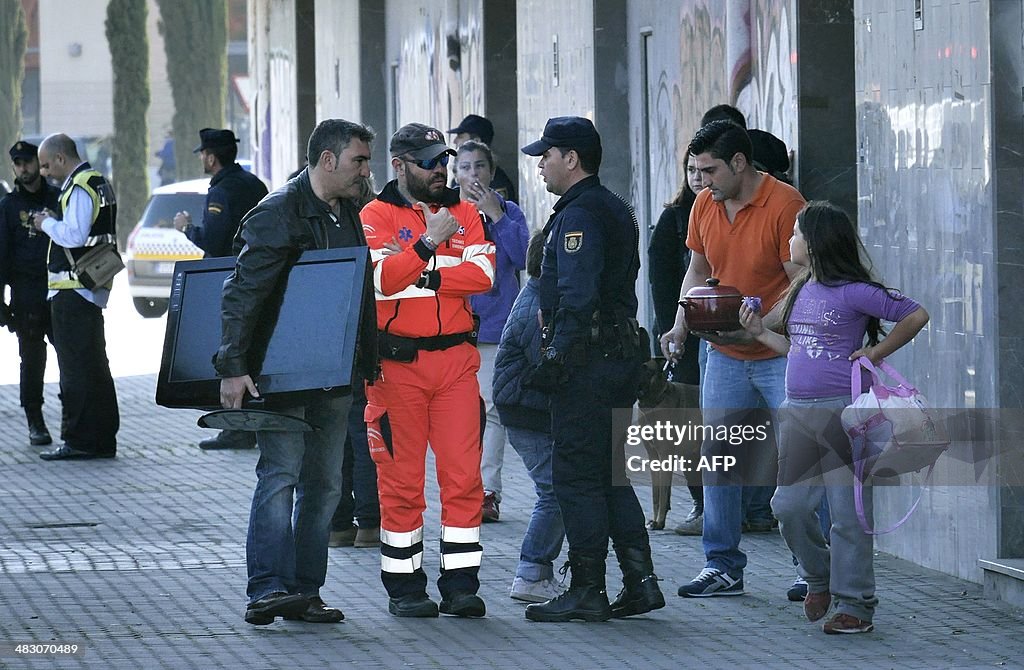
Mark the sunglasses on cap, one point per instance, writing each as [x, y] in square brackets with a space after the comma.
[432, 163]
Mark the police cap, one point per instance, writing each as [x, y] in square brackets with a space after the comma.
[566, 132]
[477, 126]
[213, 138]
[22, 149]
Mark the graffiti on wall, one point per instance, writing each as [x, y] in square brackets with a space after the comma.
[769, 98]
[440, 66]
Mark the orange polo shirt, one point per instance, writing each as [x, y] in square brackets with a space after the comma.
[749, 252]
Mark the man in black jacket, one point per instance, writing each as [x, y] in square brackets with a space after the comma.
[298, 474]
[23, 267]
[233, 192]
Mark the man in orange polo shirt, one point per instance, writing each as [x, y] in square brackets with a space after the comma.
[739, 232]
[429, 255]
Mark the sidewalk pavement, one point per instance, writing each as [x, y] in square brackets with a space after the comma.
[141, 562]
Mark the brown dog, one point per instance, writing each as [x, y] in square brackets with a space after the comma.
[658, 398]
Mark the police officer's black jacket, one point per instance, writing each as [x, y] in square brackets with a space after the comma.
[590, 264]
[22, 247]
[272, 236]
[233, 192]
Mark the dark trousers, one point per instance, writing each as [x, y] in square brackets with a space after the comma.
[358, 472]
[585, 452]
[87, 389]
[32, 325]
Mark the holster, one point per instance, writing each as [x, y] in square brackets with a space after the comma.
[620, 338]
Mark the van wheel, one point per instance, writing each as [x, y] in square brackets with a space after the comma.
[150, 308]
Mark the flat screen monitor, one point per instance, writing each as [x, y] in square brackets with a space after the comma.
[309, 325]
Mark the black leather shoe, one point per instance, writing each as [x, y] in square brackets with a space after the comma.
[464, 604]
[66, 453]
[230, 439]
[38, 435]
[265, 610]
[39, 438]
[419, 606]
[317, 611]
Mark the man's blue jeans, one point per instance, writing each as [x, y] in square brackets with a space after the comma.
[543, 540]
[358, 474]
[297, 490]
[731, 384]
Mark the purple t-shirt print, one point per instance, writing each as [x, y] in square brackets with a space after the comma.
[828, 324]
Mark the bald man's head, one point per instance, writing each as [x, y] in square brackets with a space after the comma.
[58, 156]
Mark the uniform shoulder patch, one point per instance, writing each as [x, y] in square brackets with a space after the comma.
[573, 241]
[214, 208]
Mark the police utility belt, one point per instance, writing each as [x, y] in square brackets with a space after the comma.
[404, 349]
[623, 339]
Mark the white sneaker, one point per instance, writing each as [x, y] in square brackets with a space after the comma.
[536, 592]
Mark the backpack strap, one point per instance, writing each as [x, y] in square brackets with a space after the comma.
[858, 492]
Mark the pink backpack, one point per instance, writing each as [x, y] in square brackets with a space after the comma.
[892, 430]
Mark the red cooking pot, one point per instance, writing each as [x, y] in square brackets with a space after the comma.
[712, 307]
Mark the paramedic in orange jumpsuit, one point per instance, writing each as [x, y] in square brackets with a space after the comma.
[429, 254]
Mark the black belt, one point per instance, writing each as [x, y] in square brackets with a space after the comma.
[396, 347]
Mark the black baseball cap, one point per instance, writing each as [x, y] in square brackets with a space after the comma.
[475, 125]
[567, 132]
[22, 149]
[418, 141]
[213, 138]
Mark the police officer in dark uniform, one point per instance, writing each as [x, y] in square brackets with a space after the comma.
[23, 268]
[233, 192]
[593, 349]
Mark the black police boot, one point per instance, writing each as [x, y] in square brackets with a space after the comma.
[38, 435]
[586, 598]
[640, 592]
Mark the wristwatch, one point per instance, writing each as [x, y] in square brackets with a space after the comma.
[429, 241]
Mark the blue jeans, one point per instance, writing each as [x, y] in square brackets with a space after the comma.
[358, 474]
[543, 540]
[731, 384]
[297, 490]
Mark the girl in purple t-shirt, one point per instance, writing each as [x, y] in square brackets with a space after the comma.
[829, 311]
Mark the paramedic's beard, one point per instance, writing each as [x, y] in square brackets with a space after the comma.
[428, 190]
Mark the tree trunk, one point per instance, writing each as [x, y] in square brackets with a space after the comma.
[195, 36]
[13, 39]
[129, 55]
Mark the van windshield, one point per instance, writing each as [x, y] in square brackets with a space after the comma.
[161, 208]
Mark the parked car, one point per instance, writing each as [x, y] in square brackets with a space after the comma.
[154, 246]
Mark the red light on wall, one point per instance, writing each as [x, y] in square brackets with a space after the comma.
[948, 51]
[792, 58]
[974, 52]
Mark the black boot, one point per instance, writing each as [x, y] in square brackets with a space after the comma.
[38, 435]
[586, 598]
[640, 592]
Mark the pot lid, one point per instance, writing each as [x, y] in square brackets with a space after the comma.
[713, 290]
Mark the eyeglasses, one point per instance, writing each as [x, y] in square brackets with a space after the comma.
[432, 163]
